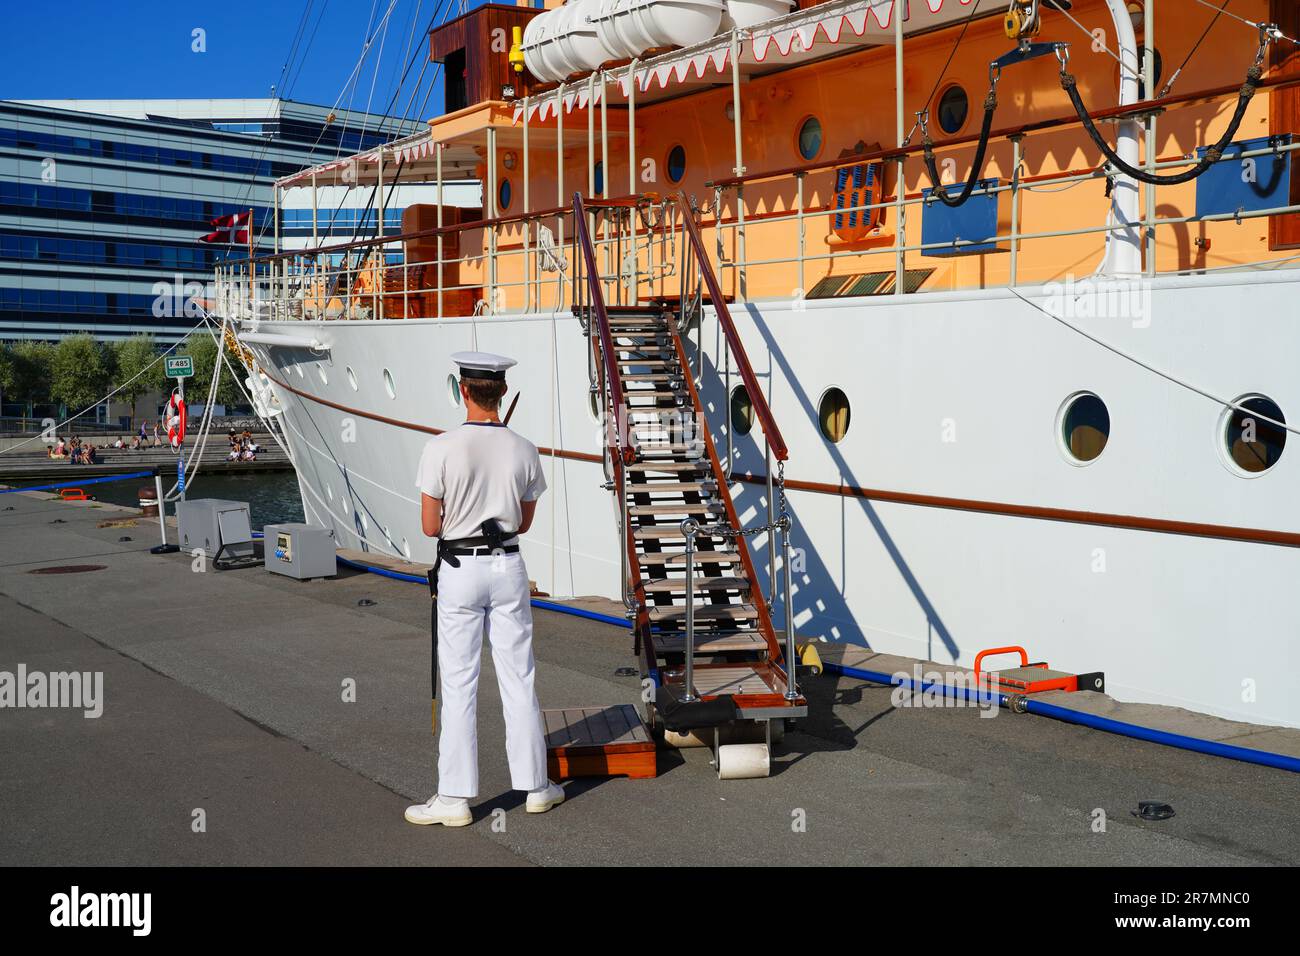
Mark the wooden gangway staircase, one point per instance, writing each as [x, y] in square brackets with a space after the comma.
[703, 630]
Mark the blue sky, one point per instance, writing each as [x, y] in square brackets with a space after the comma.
[143, 49]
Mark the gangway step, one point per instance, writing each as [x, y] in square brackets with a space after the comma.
[703, 508]
[705, 643]
[678, 487]
[669, 533]
[598, 742]
[677, 559]
[669, 466]
[702, 585]
[706, 612]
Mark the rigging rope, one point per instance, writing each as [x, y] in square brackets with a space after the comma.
[1212, 155]
[977, 164]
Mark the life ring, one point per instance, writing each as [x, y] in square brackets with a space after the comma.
[175, 419]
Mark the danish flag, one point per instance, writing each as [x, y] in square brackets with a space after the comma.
[232, 229]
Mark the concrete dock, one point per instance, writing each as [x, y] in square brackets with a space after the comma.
[223, 702]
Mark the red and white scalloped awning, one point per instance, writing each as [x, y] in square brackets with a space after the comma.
[781, 42]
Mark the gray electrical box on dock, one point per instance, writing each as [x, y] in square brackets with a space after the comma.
[209, 523]
[299, 551]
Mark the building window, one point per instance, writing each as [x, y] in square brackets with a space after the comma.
[1085, 427]
[676, 164]
[742, 410]
[1252, 441]
[503, 194]
[810, 138]
[833, 415]
[953, 107]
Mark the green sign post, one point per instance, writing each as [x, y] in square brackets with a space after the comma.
[180, 366]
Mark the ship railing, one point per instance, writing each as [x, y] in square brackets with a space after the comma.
[518, 266]
[783, 205]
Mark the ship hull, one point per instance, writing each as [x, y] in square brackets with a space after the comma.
[949, 519]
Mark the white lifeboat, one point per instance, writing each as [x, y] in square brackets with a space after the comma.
[579, 39]
[750, 13]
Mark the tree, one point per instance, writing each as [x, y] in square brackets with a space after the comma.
[29, 371]
[138, 355]
[81, 372]
[204, 352]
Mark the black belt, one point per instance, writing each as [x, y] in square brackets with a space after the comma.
[481, 552]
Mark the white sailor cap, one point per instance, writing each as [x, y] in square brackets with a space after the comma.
[483, 365]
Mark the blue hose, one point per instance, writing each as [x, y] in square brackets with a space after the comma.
[543, 605]
[1263, 758]
[79, 482]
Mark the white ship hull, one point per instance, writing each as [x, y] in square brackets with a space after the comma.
[953, 395]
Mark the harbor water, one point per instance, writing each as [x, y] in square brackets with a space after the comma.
[272, 497]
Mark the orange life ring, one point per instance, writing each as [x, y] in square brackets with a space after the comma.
[175, 419]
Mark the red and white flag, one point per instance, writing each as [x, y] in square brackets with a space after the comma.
[232, 229]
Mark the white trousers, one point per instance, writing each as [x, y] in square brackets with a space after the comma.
[486, 593]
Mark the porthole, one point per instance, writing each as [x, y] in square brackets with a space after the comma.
[453, 391]
[598, 179]
[810, 138]
[320, 370]
[389, 387]
[953, 108]
[1252, 442]
[1084, 427]
[352, 378]
[503, 194]
[593, 406]
[676, 164]
[742, 410]
[833, 415]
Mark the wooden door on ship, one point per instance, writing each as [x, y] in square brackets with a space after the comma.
[1284, 113]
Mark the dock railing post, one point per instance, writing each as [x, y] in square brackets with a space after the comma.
[689, 528]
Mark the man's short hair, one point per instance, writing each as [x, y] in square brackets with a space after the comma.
[485, 393]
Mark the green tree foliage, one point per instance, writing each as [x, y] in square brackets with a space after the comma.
[138, 356]
[28, 371]
[204, 351]
[81, 371]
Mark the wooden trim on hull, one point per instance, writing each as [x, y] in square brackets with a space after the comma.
[412, 426]
[1132, 522]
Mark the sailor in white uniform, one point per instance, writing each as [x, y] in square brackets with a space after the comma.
[482, 474]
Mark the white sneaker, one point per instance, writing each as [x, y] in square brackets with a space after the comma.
[539, 801]
[449, 811]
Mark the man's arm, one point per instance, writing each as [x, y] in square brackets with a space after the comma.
[526, 511]
[431, 515]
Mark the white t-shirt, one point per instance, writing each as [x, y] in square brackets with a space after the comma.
[480, 471]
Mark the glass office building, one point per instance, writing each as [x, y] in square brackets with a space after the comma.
[102, 202]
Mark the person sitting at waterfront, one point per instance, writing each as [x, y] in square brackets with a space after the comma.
[135, 443]
[57, 450]
[121, 442]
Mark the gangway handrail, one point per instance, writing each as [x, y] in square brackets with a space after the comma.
[756, 397]
[600, 314]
